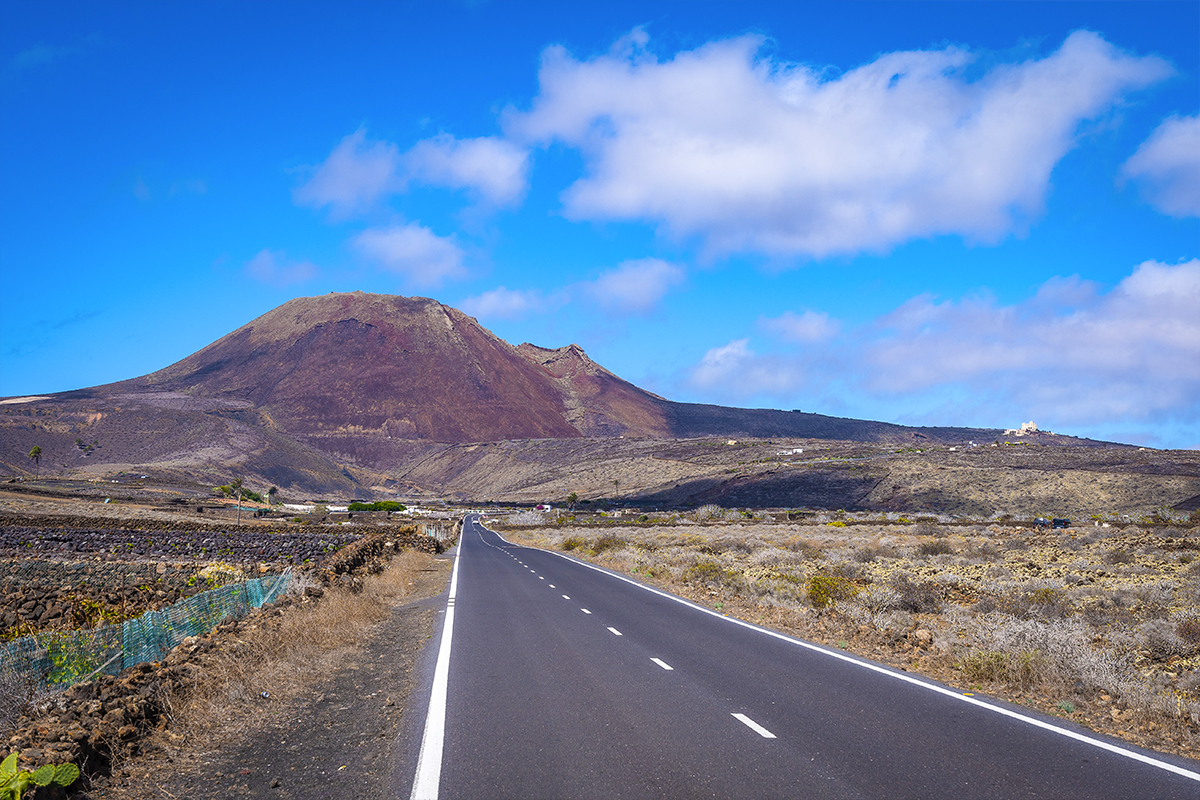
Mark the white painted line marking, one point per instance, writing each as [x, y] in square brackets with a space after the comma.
[552, 586]
[663, 664]
[429, 762]
[615, 632]
[565, 597]
[754, 726]
[540, 578]
[584, 610]
[906, 678]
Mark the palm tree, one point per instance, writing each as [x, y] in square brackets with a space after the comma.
[274, 490]
[36, 455]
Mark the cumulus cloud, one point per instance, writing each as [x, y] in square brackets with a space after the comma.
[633, 287]
[806, 328]
[502, 303]
[1130, 353]
[493, 169]
[1071, 354]
[275, 268]
[735, 371]
[360, 172]
[1166, 168]
[414, 251]
[755, 155]
[354, 176]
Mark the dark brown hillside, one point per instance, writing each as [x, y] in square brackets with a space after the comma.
[599, 403]
[373, 365]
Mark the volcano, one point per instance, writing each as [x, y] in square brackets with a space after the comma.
[377, 383]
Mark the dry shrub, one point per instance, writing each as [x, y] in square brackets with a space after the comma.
[873, 553]
[17, 693]
[920, 598]
[1158, 638]
[1118, 555]
[1042, 602]
[935, 547]
[1188, 629]
[282, 654]
[608, 542]
[1056, 653]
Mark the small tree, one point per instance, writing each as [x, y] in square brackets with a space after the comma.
[572, 499]
[36, 455]
[234, 489]
[274, 490]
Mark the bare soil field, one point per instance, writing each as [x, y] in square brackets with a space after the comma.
[1098, 623]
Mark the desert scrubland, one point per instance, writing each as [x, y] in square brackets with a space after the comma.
[1098, 623]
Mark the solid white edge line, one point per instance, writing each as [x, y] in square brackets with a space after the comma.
[429, 764]
[663, 664]
[882, 670]
[754, 726]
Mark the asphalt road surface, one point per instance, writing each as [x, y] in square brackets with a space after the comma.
[555, 679]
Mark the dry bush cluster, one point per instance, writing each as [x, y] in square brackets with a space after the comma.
[281, 652]
[1098, 618]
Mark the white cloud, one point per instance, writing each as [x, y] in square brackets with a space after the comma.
[633, 287]
[734, 371]
[751, 154]
[492, 168]
[413, 251]
[274, 268]
[1166, 167]
[1071, 355]
[357, 173]
[809, 327]
[502, 303]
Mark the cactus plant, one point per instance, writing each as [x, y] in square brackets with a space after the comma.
[15, 782]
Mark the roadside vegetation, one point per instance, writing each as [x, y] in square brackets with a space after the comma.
[1098, 623]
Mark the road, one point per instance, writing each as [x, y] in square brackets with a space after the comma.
[561, 680]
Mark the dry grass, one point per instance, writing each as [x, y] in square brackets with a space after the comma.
[1098, 623]
[283, 653]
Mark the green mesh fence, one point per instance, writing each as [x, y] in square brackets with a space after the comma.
[56, 660]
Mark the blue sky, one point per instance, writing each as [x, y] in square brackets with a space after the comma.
[927, 213]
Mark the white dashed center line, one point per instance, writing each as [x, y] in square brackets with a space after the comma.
[552, 586]
[565, 597]
[663, 664]
[540, 578]
[615, 632]
[754, 726]
[584, 610]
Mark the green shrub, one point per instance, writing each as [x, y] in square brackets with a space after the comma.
[825, 590]
[383, 505]
[711, 573]
[571, 542]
